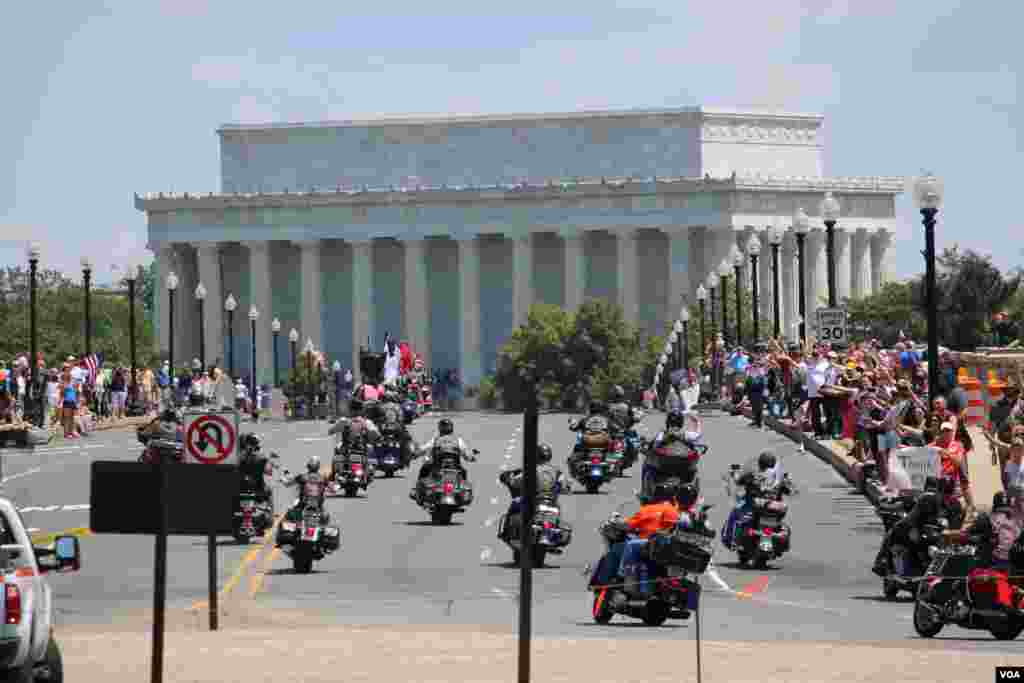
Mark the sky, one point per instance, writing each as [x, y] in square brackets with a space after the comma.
[105, 99]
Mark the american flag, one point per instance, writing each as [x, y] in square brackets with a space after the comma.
[93, 362]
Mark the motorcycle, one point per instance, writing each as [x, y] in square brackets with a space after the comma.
[616, 457]
[166, 444]
[388, 454]
[253, 516]
[308, 539]
[663, 584]
[761, 534]
[349, 476]
[448, 494]
[548, 532]
[955, 591]
[594, 468]
[910, 562]
[891, 509]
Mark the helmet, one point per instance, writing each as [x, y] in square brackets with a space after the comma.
[313, 464]
[355, 406]
[196, 365]
[1000, 500]
[169, 415]
[597, 408]
[445, 427]
[674, 419]
[667, 489]
[544, 453]
[766, 461]
[688, 494]
[617, 393]
[251, 442]
[929, 506]
[390, 396]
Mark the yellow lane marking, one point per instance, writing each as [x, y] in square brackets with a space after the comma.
[243, 567]
[47, 539]
[256, 582]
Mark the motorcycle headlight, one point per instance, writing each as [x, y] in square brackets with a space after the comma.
[933, 551]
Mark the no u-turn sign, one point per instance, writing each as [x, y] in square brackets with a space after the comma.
[212, 438]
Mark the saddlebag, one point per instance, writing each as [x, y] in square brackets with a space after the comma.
[331, 538]
[286, 536]
[599, 440]
[680, 549]
[990, 588]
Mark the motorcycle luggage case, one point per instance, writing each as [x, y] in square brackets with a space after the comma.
[285, 536]
[670, 550]
[596, 440]
[990, 588]
[331, 537]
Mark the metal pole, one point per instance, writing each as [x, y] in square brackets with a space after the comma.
[86, 283]
[277, 377]
[725, 309]
[211, 553]
[686, 344]
[526, 554]
[160, 577]
[37, 410]
[231, 345]
[703, 335]
[755, 291]
[830, 254]
[739, 306]
[775, 291]
[800, 237]
[933, 311]
[252, 371]
[170, 338]
[202, 333]
[131, 334]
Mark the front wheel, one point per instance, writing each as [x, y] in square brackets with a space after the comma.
[593, 487]
[890, 589]
[656, 613]
[302, 560]
[1006, 630]
[241, 539]
[441, 517]
[351, 491]
[51, 669]
[926, 623]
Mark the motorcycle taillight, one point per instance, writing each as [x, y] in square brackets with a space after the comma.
[548, 525]
[693, 456]
[449, 488]
[357, 469]
[595, 460]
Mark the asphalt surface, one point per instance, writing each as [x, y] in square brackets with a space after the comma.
[395, 568]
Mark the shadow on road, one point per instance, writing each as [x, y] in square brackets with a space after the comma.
[224, 542]
[512, 565]
[427, 522]
[881, 598]
[747, 568]
[630, 624]
[290, 571]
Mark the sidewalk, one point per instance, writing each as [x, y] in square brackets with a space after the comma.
[315, 653]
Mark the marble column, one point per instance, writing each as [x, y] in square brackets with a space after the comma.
[362, 292]
[574, 267]
[311, 293]
[816, 277]
[679, 281]
[860, 280]
[522, 277]
[764, 286]
[626, 282]
[742, 240]
[188, 272]
[788, 286]
[842, 239]
[208, 258]
[724, 237]
[416, 314]
[880, 243]
[470, 358]
[259, 293]
[164, 258]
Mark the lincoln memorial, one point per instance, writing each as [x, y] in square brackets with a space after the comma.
[444, 231]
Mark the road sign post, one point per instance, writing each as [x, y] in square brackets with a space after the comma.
[832, 325]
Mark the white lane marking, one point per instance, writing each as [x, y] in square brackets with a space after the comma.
[54, 508]
[503, 594]
[54, 450]
[21, 474]
[310, 439]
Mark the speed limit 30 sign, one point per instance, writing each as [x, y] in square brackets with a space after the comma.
[832, 325]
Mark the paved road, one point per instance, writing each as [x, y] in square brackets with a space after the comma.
[394, 567]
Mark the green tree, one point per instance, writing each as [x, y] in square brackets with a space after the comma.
[970, 290]
[885, 314]
[536, 353]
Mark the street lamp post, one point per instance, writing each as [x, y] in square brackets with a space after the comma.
[723, 274]
[253, 315]
[830, 209]
[684, 318]
[172, 286]
[801, 226]
[663, 364]
[293, 340]
[133, 274]
[275, 327]
[308, 350]
[702, 295]
[229, 306]
[775, 237]
[35, 395]
[201, 299]
[87, 291]
[680, 342]
[737, 267]
[754, 250]
[927, 191]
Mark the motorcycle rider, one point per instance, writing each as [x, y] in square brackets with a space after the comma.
[995, 533]
[666, 508]
[445, 449]
[596, 421]
[391, 421]
[358, 434]
[675, 432]
[254, 466]
[753, 479]
[312, 490]
[550, 481]
[623, 420]
[929, 510]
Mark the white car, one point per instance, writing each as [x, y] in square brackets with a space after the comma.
[28, 650]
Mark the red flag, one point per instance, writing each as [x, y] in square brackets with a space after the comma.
[406, 358]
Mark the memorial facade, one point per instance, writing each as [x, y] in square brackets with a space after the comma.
[444, 231]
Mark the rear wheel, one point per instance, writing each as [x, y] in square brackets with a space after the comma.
[926, 623]
[441, 517]
[760, 561]
[656, 613]
[389, 473]
[539, 555]
[1008, 629]
[351, 491]
[593, 487]
[302, 560]
[890, 589]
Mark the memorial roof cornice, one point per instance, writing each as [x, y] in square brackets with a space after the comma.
[696, 113]
[553, 189]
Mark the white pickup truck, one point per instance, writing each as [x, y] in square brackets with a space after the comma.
[28, 650]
